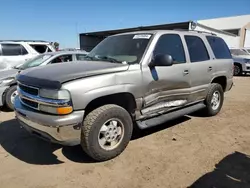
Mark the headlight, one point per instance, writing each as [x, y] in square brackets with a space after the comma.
[54, 94]
[56, 110]
[247, 60]
[6, 81]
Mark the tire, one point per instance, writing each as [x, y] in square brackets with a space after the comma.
[211, 109]
[10, 93]
[237, 70]
[91, 137]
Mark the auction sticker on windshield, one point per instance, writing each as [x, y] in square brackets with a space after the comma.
[142, 36]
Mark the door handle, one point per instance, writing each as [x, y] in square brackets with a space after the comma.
[185, 72]
[210, 68]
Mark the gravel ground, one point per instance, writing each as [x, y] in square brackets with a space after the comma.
[192, 151]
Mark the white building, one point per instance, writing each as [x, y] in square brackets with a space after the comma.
[239, 26]
[234, 30]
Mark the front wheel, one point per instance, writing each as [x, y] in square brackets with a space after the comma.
[214, 99]
[106, 132]
[10, 95]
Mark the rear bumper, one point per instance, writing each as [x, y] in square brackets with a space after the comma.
[65, 130]
[229, 84]
[2, 90]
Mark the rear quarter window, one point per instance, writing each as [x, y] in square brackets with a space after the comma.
[219, 47]
[13, 50]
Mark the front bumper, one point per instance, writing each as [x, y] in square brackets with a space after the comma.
[2, 90]
[64, 130]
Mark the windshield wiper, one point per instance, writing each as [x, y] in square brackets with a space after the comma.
[110, 59]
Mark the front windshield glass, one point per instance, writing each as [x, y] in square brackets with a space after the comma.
[38, 60]
[238, 52]
[121, 49]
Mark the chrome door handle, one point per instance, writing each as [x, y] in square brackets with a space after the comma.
[185, 72]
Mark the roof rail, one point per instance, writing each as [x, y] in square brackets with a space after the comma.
[196, 31]
[23, 41]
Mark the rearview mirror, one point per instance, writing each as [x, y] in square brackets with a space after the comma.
[161, 60]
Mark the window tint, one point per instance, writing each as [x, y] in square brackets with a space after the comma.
[196, 48]
[40, 48]
[62, 58]
[13, 50]
[171, 44]
[80, 57]
[219, 47]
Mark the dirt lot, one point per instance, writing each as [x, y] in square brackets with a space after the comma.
[192, 151]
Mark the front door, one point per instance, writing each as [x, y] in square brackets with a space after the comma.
[168, 86]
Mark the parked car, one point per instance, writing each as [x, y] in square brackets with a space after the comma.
[247, 50]
[8, 83]
[14, 52]
[146, 77]
[241, 61]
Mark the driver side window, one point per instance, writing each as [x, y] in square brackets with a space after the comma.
[171, 44]
[62, 58]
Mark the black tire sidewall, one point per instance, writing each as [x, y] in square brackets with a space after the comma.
[240, 72]
[94, 149]
[8, 94]
[213, 88]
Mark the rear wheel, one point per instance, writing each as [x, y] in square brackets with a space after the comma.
[10, 95]
[106, 132]
[237, 70]
[214, 99]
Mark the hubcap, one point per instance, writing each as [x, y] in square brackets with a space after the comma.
[236, 70]
[12, 97]
[215, 102]
[111, 134]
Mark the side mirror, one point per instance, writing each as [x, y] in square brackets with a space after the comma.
[161, 60]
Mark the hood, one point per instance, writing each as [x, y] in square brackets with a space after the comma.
[8, 73]
[242, 56]
[52, 76]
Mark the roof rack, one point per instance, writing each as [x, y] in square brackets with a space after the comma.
[196, 31]
[23, 41]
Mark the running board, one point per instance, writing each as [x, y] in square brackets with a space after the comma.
[169, 116]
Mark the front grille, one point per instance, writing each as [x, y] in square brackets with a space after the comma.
[28, 89]
[30, 103]
[29, 96]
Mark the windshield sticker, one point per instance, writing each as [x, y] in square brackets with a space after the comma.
[143, 36]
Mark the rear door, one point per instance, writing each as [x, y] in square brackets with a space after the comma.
[201, 66]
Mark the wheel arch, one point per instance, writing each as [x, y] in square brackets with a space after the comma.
[123, 99]
[222, 80]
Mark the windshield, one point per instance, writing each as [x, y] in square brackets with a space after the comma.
[121, 48]
[238, 52]
[38, 60]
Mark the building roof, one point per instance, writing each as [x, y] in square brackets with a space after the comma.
[180, 25]
[233, 22]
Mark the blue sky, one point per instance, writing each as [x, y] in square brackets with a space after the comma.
[61, 20]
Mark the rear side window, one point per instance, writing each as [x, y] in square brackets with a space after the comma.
[62, 58]
[13, 50]
[219, 47]
[171, 44]
[196, 48]
[40, 48]
[80, 57]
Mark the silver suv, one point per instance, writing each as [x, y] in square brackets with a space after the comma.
[133, 79]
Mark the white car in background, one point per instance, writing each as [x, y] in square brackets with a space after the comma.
[15, 52]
